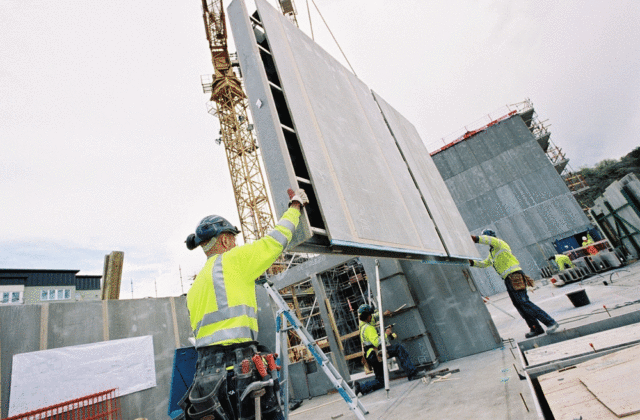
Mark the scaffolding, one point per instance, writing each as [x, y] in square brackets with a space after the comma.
[346, 289]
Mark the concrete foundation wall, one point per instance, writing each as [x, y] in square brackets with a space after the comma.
[501, 179]
[27, 328]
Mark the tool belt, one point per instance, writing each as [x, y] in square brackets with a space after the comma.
[519, 280]
[222, 375]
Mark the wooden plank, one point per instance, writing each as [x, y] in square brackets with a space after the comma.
[569, 398]
[614, 382]
[579, 346]
[350, 335]
[354, 355]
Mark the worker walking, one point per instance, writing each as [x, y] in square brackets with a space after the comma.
[372, 343]
[562, 261]
[508, 267]
[223, 313]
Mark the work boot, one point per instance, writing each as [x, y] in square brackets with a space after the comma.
[534, 333]
[552, 328]
[417, 375]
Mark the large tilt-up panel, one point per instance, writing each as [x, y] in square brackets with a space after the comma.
[319, 127]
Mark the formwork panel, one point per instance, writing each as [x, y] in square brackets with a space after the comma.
[364, 189]
[442, 208]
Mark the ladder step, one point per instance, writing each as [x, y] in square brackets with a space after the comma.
[327, 367]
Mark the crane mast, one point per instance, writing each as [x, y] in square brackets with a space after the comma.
[229, 104]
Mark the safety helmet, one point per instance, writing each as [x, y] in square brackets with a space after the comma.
[489, 232]
[208, 228]
[584, 238]
[365, 308]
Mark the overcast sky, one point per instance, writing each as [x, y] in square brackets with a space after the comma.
[105, 142]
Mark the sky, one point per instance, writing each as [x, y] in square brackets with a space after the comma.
[106, 143]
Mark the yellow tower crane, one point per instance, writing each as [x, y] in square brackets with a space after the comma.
[229, 103]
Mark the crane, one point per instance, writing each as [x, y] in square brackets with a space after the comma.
[229, 104]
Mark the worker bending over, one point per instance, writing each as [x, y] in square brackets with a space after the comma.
[508, 267]
[223, 312]
[372, 343]
[562, 261]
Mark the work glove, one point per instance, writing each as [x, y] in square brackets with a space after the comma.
[475, 238]
[299, 195]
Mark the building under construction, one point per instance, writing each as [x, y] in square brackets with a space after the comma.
[505, 174]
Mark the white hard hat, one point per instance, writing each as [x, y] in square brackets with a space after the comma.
[584, 238]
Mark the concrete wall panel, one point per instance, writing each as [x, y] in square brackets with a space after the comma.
[28, 328]
[454, 313]
[453, 161]
[72, 324]
[465, 153]
[480, 150]
[370, 203]
[442, 208]
[509, 200]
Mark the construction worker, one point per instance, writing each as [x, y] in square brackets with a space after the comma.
[508, 267]
[562, 261]
[223, 312]
[372, 343]
[587, 240]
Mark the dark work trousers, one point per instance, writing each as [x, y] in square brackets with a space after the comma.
[527, 309]
[396, 350]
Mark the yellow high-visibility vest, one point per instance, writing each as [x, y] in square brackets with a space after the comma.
[563, 260]
[500, 257]
[222, 300]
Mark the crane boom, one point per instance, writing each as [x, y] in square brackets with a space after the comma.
[229, 104]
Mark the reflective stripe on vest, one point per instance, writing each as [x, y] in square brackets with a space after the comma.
[364, 341]
[228, 334]
[367, 346]
[224, 312]
[279, 236]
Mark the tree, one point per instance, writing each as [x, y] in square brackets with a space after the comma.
[605, 172]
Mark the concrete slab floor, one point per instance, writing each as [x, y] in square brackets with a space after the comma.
[487, 385]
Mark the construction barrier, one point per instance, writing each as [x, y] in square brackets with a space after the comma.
[102, 405]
